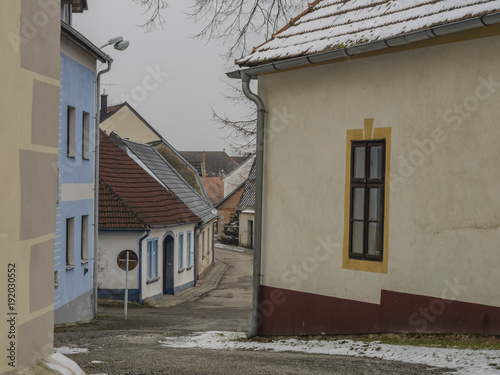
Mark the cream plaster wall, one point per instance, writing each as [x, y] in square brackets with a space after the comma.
[205, 248]
[111, 243]
[244, 232]
[127, 125]
[444, 214]
[23, 237]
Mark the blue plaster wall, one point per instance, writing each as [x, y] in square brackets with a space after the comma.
[77, 90]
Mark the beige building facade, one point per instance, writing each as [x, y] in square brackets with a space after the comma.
[29, 102]
[434, 107]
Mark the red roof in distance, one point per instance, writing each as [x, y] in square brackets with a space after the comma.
[131, 197]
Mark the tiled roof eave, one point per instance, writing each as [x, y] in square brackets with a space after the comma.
[254, 68]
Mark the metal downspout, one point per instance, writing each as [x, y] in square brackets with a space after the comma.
[96, 184]
[195, 249]
[261, 113]
[140, 262]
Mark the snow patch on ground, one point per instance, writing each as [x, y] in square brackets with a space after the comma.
[222, 246]
[480, 362]
[63, 365]
[70, 350]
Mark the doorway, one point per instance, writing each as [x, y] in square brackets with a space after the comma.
[168, 265]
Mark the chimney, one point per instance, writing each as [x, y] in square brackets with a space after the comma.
[203, 166]
[104, 106]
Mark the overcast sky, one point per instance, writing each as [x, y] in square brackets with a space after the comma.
[177, 105]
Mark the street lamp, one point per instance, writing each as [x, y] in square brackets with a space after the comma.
[120, 45]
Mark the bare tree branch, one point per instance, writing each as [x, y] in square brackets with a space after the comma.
[242, 133]
[236, 22]
[154, 10]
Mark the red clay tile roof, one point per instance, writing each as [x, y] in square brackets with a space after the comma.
[114, 212]
[214, 187]
[114, 108]
[146, 200]
[328, 25]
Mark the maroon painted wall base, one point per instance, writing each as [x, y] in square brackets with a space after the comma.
[287, 312]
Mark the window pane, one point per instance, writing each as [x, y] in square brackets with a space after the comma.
[358, 204]
[359, 162]
[357, 237]
[374, 239]
[86, 136]
[375, 198]
[376, 162]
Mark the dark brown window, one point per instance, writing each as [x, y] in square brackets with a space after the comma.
[366, 230]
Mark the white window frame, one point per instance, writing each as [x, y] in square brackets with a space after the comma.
[85, 239]
[188, 249]
[180, 246]
[70, 243]
[71, 132]
[86, 136]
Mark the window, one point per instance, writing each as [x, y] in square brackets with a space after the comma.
[367, 192]
[152, 254]
[85, 238]
[86, 136]
[70, 242]
[188, 248]
[181, 250]
[71, 132]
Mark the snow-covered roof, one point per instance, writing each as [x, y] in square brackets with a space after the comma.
[329, 25]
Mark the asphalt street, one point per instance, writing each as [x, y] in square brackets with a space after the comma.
[131, 347]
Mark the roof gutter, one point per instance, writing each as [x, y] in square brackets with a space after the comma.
[417, 36]
[261, 114]
[84, 43]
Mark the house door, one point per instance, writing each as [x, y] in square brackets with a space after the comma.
[250, 233]
[168, 265]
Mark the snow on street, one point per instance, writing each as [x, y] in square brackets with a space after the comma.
[480, 362]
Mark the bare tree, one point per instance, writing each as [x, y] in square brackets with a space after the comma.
[235, 24]
[242, 133]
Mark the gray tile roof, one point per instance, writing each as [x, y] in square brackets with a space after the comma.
[328, 25]
[248, 198]
[148, 155]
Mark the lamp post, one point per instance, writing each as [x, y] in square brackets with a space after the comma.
[120, 45]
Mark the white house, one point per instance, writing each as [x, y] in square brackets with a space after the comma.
[137, 213]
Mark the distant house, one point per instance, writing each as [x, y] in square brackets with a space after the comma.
[246, 210]
[73, 259]
[227, 207]
[212, 166]
[152, 161]
[210, 163]
[237, 175]
[138, 213]
[125, 121]
[380, 185]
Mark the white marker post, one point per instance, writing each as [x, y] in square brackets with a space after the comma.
[130, 257]
[126, 286]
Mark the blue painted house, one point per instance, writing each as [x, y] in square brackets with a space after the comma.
[73, 276]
